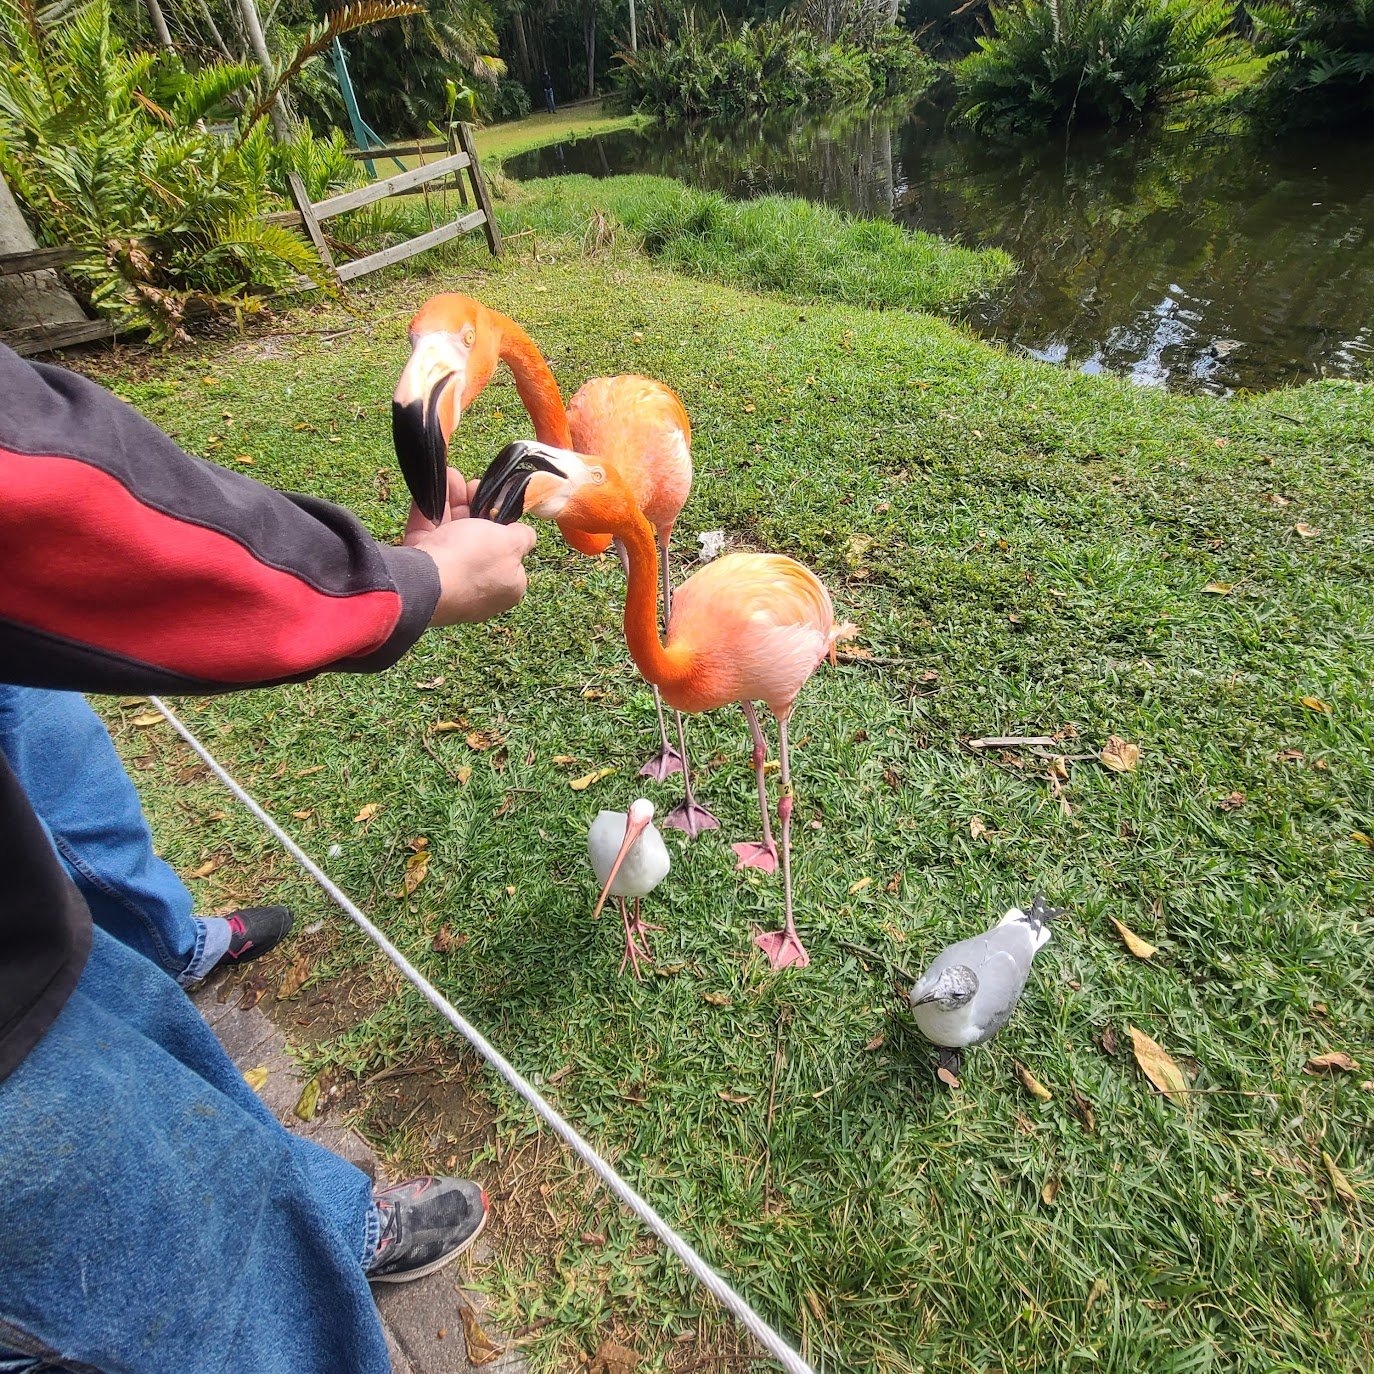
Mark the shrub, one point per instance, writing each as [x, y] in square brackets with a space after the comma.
[507, 99]
[1324, 67]
[1106, 61]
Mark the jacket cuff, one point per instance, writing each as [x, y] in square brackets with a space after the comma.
[417, 582]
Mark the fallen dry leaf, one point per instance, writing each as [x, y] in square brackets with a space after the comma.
[976, 827]
[564, 758]
[304, 815]
[1142, 949]
[876, 1043]
[368, 811]
[206, 869]
[1315, 704]
[1305, 531]
[1050, 1191]
[483, 739]
[1340, 1185]
[583, 783]
[1084, 1108]
[1361, 838]
[417, 866]
[734, 1097]
[417, 844]
[1119, 755]
[148, 718]
[481, 1350]
[1334, 1061]
[1158, 1067]
[894, 882]
[815, 1304]
[716, 999]
[256, 1078]
[859, 886]
[1220, 588]
[1109, 1045]
[1232, 801]
[1096, 1291]
[946, 1077]
[1032, 1084]
[446, 727]
[308, 1103]
[1058, 767]
[431, 684]
[295, 978]
[446, 940]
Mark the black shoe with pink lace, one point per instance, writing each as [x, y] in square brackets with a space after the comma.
[254, 931]
[426, 1222]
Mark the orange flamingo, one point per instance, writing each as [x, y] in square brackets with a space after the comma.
[634, 422]
[748, 627]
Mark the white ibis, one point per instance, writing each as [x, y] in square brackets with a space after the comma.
[630, 860]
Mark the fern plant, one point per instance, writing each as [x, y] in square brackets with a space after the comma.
[1096, 61]
[1324, 72]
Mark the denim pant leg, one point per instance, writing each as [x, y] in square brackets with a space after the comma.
[155, 1217]
[67, 764]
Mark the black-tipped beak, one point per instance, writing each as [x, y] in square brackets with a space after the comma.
[422, 450]
[501, 492]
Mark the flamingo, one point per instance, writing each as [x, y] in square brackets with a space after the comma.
[630, 860]
[748, 627]
[636, 423]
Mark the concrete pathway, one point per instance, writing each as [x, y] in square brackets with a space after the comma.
[423, 1320]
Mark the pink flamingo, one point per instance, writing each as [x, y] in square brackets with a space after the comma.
[748, 627]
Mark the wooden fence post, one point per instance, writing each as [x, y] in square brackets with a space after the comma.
[479, 189]
[312, 225]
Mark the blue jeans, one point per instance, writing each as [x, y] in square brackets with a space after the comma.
[155, 1217]
[67, 764]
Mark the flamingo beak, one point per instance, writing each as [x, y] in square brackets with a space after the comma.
[633, 830]
[502, 492]
[425, 411]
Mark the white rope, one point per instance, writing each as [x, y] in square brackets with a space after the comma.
[719, 1288]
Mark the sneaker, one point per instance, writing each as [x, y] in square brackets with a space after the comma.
[426, 1222]
[254, 931]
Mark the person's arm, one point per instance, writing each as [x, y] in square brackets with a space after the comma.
[126, 565]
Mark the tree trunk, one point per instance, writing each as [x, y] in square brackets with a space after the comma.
[215, 33]
[634, 37]
[591, 54]
[164, 37]
[522, 47]
[252, 26]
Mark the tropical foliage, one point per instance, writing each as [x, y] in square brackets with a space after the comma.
[1324, 72]
[712, 70]
[1053, 62]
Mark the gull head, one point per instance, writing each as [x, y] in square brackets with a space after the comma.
[951, 988]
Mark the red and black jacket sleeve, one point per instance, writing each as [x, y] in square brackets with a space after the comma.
[127, 565]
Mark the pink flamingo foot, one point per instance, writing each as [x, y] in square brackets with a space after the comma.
[764, 856]
[692, 818]
[783, 948]
[663, 764]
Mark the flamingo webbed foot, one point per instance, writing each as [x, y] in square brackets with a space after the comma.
[662, 765]
[783, 948]
[764, 856]
[692, 818]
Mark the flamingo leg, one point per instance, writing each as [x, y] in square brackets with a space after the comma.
[784, 947]
[765, 855]
[667, 761]
[687, 815]
[636, 939]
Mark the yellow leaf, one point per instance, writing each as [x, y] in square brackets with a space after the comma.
[1050, 1191]
[417, 866]
[1361, 838]
[1220, 588]
[1096, 1291]
[303, 815]
[308, 1102]
[859, 886]
[255, 1078]
[1032, 1084]
[148, 718]
[1142, 949]
[1059, 767]
[1158, 1067]
[1315, 704]
[1305, 531]
[206, 869]
[565, 758]
[481, 1349]
[1340, 1185]
[716, 999]
[368, 811]
[246, 459]
[583, 783]
[446, 727]
[295, 978]
[1119, 755]
[1333, 1061]
[463, 774]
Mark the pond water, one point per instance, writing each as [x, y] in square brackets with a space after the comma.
[1202, 264]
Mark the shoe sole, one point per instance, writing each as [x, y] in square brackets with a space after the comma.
[411, 1274]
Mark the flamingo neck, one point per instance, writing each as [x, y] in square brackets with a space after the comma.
[666, 666]
[535, 382]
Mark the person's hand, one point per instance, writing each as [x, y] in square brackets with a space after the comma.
[481, 568]
[457, 506]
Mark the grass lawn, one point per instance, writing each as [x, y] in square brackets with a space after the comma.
[1027, 551]
[495, 142]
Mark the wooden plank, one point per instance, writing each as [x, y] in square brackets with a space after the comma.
[293, 218]
[380, 190]
[479, 189]
[43, 338]
[36, 260]
[401, 251]
[395, 150]
[309, 218]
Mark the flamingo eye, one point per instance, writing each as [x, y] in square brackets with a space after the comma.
[598, 475]
[469, 336]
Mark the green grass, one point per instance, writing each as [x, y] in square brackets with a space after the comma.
[1026, 550]
[496, 142]
[781, 244]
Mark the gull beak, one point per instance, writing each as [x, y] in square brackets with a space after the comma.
[634, 828]
[525, 476]
[425, 410]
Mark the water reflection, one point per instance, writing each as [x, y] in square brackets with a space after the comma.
[1200, 264]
